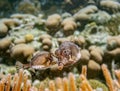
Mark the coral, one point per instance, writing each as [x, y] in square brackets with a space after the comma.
[112, 25]
[18, 16]
[91, 34]
[108, 77]
[96, 54]
[25, 18]
[72, 82]
[12, 70]
[114, 52]
[113, 42]
[46, 41]
[113, 46]
[17, 81]
[47, 44]
[65, 84]
[85, 56]
[36, 83]
[100, 19]
[10, 23]
[93, 58]
[47, 36]
[69, 26]
[89, 9]
[79, 40]
[59, 83]
[92, 65]
[61, 40]
[53, 23]
[29, 37]
[93, 47]
[84, 70]
[5, 70]
[83, 14]
[22, 78]
[81, 17]
[111, 5]
[66, 15]
[5, 43]
[85, 84]
[52, 86]
[117, 72]
[94, 68]
[89, 37]
[20, 41]
[29, 7]
[20, 82]
[3, 30]
[21, 51]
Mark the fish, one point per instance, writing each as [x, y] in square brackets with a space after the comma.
[68, 53]
[38, 61]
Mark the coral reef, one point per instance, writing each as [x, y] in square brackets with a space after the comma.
[70, 83]
[50, 38]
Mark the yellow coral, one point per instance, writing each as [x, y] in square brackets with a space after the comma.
[29, 37]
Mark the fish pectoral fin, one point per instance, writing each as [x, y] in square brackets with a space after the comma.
[71, 58]
[47, 63]
[60, 66]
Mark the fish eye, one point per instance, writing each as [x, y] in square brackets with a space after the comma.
[66, 52]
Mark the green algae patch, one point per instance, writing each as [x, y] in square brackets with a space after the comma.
[97, 84]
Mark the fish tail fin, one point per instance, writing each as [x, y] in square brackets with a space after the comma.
[19, 65]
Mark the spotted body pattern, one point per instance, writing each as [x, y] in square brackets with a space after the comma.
[68, 53]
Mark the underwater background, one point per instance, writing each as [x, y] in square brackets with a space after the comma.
[59, 45]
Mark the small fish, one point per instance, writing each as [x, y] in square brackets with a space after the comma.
[68, 53]
[39, 60]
